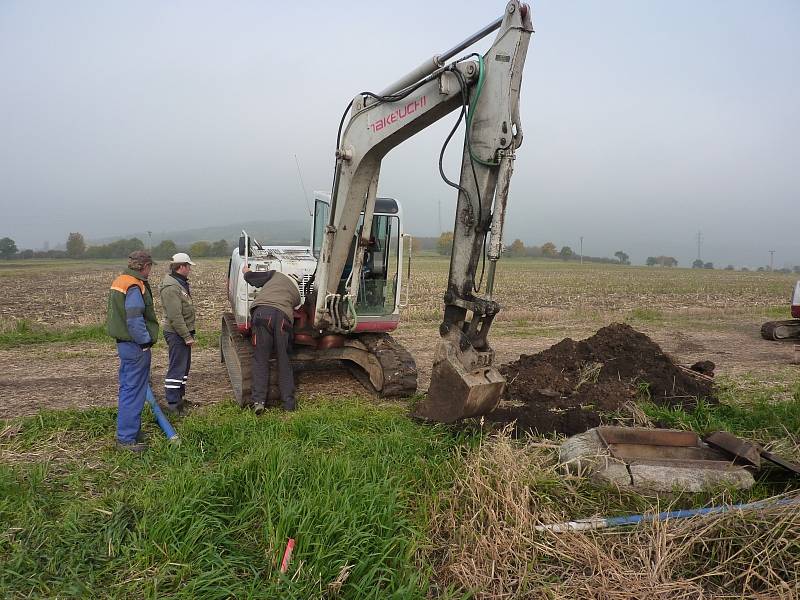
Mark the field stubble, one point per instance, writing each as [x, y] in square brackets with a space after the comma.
[537, 292]
[694, 314]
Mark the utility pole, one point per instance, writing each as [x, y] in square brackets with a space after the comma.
[771, 254]
[149, 240]
[699, 244]
[581, 249]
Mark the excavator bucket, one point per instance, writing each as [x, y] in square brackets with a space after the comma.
[459, 390]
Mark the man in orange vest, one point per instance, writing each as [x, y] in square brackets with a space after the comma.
[131, 320]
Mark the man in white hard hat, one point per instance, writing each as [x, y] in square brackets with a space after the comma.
[179, 331]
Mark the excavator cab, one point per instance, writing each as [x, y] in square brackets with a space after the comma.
[377, 301]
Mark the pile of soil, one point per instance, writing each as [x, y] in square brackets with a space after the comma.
[566, 388]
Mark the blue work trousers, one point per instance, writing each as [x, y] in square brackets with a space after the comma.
[180, 359]
[134, 377]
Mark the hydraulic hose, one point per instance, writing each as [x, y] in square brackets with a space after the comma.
[162, 420]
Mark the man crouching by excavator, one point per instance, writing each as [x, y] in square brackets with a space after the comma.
[272, 314]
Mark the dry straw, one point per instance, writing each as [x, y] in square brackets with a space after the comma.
[485, 542]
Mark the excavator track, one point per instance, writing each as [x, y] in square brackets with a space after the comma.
[379, 363]
[781, 330]
[397, 364]
[236, 352]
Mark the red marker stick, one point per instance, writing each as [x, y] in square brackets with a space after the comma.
[287, 555]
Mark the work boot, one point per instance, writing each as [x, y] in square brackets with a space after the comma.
[178, 410]
[258, 407]
[141, 438]
[134, 446]
[289, 405]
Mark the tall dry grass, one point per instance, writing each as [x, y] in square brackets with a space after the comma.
[485, 542]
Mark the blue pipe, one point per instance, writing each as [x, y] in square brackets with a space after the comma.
[603, 522]
[691, 512]
[162, 420]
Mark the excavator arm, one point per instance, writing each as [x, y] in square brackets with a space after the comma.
[486, 88]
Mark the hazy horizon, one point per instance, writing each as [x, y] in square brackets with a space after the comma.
[644, 123]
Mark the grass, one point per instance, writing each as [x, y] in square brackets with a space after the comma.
[380, 506]
[647, 315]
[485, 529]
[352, 484]
[752, 413]
[487, 541]
[25, 333]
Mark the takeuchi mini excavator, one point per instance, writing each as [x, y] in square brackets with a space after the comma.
[351, 276]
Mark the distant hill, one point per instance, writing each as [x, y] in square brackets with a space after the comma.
[272, 232]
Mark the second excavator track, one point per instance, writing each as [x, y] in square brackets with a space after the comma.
[781, 330]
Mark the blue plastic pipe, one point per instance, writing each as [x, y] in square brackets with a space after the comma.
[603, 522]
[162, 420]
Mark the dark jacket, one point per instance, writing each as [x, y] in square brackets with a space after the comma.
[131, 315]
[179, 315]
[278, 290]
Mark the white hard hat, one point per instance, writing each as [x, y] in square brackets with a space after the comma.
[182, 257]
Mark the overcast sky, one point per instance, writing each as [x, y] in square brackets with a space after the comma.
[645, 122]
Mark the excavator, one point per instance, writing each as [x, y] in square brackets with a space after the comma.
[351, 275]
[785, 330]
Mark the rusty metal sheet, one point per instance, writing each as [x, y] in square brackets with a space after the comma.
[717, 465]
[784, 464]
[663, 447]
[648, 437]
[736, 447]
[645, 452]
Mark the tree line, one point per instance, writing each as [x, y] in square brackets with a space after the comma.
[77, 248]
[517, 248]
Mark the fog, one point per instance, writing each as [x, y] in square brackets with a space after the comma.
[645, 123]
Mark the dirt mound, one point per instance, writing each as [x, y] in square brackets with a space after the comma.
[565, 388]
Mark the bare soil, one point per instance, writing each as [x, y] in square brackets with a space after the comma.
[68, 376]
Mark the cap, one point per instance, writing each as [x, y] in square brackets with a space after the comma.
[182, 257]
[139, 259]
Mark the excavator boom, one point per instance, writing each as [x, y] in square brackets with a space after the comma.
[486, 89]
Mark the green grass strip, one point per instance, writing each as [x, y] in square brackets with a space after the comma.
[210, 518]
[744, 411]
[25, 333]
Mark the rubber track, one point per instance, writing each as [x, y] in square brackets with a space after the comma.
[243, 355]
[769, 328]
[399, 368]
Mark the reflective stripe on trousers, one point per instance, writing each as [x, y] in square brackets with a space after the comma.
[180, 360]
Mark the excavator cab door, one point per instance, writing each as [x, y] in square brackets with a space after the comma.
[379, 280]
[377, 293]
